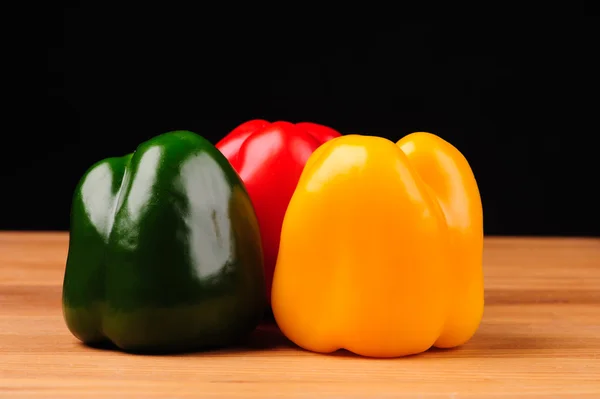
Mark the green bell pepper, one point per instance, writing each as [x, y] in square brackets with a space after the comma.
[164, 250]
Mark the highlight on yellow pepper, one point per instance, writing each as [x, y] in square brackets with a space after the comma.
[381, 249]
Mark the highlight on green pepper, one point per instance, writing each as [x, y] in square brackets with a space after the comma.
[164, 250]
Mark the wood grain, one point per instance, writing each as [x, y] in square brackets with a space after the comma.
[540, 338]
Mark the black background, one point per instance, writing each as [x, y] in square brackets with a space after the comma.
[520, 102]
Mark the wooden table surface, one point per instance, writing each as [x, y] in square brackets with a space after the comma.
[540, 338]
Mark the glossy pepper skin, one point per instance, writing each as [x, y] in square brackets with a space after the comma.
[269, 158]
[381, 249]
[164, 252]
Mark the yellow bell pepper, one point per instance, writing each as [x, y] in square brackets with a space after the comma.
[381, 249]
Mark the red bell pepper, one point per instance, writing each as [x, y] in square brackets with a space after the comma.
[269, 157]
